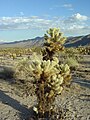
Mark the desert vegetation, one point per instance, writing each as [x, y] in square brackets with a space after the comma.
[49, 76]
[44, 72]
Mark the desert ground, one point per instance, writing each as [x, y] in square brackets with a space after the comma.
[74, 101]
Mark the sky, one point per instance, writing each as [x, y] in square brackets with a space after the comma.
[27, 19]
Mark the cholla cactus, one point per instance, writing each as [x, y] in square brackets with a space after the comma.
[12, 55]
[49, 77]
[84, 50]
[54, 41]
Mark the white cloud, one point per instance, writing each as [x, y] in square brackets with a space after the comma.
[77, 30]
[1, 40]
[75, 24]
[22, 22]
[73, 27]
[55, 7]
[68, 6]
[76, 18]
[80, 17]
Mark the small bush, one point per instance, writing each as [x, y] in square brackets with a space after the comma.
[72, 62]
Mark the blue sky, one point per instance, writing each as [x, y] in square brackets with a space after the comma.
[24, 19]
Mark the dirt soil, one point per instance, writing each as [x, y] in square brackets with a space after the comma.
[75, 101]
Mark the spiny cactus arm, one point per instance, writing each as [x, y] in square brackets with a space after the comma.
[65, 72]
[62, 40]
[45, 37]
[57, 80]
[46, 65]
[50, 32]
[54, 35]
[54, 63]
[64, 67]
[49, 66]
[59, 90]
[51, 94]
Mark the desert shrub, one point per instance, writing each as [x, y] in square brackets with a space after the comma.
[72, 62]
[72, 57]
[20, 72]
[36, 49]
[23, 80]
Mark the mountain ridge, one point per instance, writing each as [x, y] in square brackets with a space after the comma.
[38, 41]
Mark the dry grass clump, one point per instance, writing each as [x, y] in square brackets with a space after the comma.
[72, 62]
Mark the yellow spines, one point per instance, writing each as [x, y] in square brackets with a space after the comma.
[59, 90]
[55, 61]
[53, 78]
[51, 94]
[65, 69]
[60, 78]
[46, 65]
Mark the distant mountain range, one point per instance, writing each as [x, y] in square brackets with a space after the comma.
[38, 41]
[78, 41]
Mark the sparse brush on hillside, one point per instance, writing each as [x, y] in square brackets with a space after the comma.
[49, 76]
[72, 53]
[15, 52]
[84, 50]
[36, 49]
[72, 57]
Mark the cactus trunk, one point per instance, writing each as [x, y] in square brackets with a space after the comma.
[44, 101]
